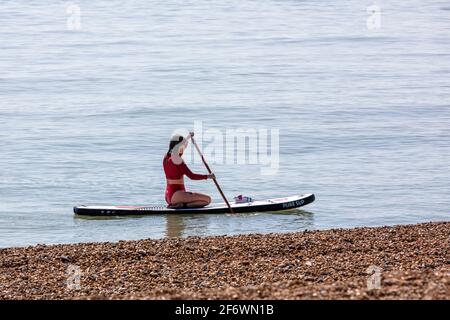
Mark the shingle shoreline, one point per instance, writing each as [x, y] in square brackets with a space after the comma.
[406, 262]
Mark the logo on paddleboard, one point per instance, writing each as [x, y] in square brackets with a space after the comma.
[292, 204]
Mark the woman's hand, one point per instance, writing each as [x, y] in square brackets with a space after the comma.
[191, 133]
[211, 176]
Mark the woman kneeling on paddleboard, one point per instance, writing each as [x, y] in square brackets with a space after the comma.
[175, 169]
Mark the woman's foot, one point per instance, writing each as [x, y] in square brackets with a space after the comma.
[180, 205]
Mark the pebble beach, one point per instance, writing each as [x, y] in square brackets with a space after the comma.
[397, 262]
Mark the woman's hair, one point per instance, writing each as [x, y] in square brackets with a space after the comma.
[176, 139]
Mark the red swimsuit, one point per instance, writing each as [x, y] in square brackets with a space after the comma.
[176, 172]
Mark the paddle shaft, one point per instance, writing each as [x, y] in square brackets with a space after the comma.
[210, 172]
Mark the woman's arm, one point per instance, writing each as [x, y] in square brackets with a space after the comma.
[193, 176]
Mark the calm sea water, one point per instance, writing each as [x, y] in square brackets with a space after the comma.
[85, 114]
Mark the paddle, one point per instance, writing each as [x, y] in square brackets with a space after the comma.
[210, 172]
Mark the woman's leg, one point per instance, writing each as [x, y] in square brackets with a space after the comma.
[190, 199]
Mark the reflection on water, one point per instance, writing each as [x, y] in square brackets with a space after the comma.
[174, 225]
[183, 225]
